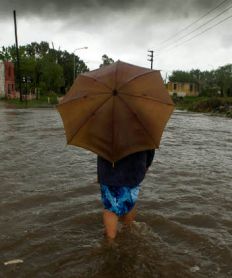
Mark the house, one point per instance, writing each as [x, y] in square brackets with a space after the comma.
[7, 80]
[182, 89]
[2, 80]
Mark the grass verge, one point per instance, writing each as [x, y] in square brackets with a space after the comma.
[215, 105]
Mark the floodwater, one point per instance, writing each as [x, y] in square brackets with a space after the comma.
[50, 209]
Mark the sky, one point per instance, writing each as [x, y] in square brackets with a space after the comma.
[184, 34]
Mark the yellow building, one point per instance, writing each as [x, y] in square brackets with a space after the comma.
[182, 89]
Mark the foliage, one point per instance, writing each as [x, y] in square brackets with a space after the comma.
[52, 75]
[106, 61]
[220, 105]
[211, 83]
[181, 76]
[43, 68]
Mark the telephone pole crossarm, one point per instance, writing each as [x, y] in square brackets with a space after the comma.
[151, 55]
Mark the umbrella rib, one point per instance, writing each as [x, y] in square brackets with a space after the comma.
[113, 110]
[80, 97]
[137, 118]
[96, 79]
[116, 75]
[70, 140]
[147, 97]
[137, 76]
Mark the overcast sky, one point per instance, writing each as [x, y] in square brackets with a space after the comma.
[126, 29]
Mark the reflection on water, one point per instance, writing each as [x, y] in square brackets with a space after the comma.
[50, 210]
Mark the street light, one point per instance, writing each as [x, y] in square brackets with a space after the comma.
[74, 61]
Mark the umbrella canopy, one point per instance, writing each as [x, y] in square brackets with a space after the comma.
[116, 110]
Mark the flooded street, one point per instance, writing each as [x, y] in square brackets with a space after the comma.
[50, 209]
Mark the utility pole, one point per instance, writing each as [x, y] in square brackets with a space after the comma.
[150, 55]
[18, 62]
[74, 61]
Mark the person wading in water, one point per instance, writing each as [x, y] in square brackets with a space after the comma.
[120, 184]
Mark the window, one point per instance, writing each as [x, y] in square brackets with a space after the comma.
[9, 89]
[175, 86]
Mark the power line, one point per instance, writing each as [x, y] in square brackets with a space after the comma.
[207, 29]
[193, 23]
[199, 27]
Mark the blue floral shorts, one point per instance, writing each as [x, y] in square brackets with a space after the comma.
[119, 199]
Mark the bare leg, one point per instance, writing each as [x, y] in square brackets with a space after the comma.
[110, 220]
[128, 218]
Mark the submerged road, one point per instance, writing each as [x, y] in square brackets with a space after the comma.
[50, 209]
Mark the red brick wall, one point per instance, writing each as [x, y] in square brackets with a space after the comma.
[9, 79]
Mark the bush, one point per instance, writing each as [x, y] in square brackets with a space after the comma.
[221, 105]
[52, 97]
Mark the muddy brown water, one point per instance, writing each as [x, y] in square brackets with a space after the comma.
[50, 209]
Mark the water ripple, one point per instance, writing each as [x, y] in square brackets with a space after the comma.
[51, 210]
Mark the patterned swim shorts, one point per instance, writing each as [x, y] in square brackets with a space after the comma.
[119, 199]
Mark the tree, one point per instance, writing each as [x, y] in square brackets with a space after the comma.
[5, 54]
[52, 77]
[46, 68]
[181, 76]
[106, 61]
[223, 76]
[210, 82]
[66, 60]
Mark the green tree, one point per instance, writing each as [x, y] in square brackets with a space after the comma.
[181, 76]
[223, 78]
[209, 82]
[5, 54]
[52, 78]
[66, 60]
[47, 69]
[106, 60]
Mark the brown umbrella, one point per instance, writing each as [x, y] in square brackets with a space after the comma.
[116, 110]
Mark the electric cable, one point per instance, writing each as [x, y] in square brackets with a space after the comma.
[193, 23]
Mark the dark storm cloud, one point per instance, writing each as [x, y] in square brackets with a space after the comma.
[53, 8]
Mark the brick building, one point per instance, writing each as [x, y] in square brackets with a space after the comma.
[7, 80]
